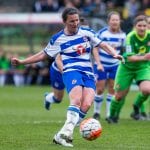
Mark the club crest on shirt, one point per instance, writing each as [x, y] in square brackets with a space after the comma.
[117, 87]
[74, 81]
[128, 49]
[80, 49]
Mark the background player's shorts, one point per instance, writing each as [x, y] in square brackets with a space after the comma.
[56, 79]
[125, 76]
[108, 73]
[75, 78]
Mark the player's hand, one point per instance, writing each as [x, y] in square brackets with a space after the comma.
[100, 67]
[15, 61]
[147, 56]
[120, 58]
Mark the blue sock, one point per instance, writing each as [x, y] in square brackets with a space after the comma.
[56, 100]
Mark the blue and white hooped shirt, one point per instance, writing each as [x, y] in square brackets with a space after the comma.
[75, 49]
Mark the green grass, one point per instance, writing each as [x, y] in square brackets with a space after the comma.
[26, 125]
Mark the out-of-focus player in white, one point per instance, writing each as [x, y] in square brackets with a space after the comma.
[114, 36]
[74, 44]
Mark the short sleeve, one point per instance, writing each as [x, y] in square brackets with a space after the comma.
[95, 41]
[52, 50]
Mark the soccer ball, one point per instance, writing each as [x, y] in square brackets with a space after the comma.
[90, 129]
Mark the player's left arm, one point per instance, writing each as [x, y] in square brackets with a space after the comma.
[136, 58]
[109, 49]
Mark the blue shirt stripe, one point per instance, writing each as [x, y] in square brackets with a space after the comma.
[72, 43]
[74, 60]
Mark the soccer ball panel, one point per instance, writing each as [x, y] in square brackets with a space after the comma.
[90, 129]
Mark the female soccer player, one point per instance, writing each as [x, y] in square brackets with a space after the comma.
[114, 36]
[142, 113]
[136, 67]
[74, 44]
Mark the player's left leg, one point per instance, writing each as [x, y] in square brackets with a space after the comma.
[142, 110]
[87, 100]
[99, 97]
[137, 104]
[143, 81]
[101, 77]
[57, 87]
[143, 115]
[87, 96]
[53, 97]
[109, 96]
[111, 73]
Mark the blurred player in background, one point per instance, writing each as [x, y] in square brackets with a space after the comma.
[143, 114]
[74, 44]
[114, 36]
[136, 67]
[4, 66]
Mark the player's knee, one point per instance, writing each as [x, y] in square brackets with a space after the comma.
[100, 91]
[146, 91]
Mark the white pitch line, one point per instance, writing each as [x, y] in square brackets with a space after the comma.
[44, 121]
[38, 122]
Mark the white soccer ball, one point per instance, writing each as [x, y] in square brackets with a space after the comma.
[90, 129]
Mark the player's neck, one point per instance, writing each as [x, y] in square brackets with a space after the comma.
[114, 30]
[69, 32]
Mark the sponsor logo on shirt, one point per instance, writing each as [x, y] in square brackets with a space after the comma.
[128, 49]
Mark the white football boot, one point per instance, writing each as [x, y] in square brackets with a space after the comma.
[63, 140]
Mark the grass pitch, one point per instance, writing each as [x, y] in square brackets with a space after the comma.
[26, 125]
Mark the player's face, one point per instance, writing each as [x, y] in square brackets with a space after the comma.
[141, 28]
[72, 23]
[114, 23]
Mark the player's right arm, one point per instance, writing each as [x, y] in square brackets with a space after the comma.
[131, 54]
[59, 62]
[97, 59]
[40, 56]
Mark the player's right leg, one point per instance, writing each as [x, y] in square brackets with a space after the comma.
[53, 97]
[62, 140]
[121, 90]
[57, 87]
